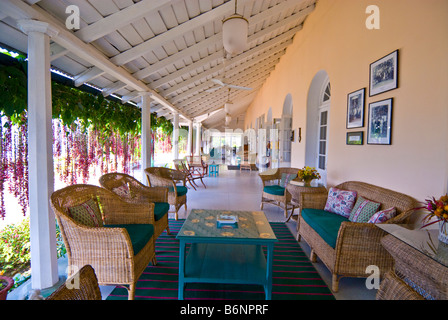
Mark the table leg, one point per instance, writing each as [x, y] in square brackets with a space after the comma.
[269, 268]
[180, 294]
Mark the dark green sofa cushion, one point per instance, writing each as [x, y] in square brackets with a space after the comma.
[275, 190]
[160, 209]
[181, 190]
[325, 223]
[140, 234]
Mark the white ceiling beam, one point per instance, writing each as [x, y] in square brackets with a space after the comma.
[156, 67]
[234, 61]
[87, 75]
[258, 62]
[157, 41]
[65, 38]
[255, 37]
[220, 98]
[57, 51]
[116, 86]
[192, 67]
[120, 19]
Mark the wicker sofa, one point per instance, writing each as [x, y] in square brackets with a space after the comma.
[346, 247]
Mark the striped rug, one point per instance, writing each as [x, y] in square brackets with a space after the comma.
[294, 277]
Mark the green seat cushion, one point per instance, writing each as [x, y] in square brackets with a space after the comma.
[274, 190]
[160, 209]
[181, 190]
[140, 234]
[325, 223]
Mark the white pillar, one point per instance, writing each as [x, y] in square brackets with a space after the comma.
[198, 139]
[175, 140]
[190, 138]
[146, 135]
[44, 268]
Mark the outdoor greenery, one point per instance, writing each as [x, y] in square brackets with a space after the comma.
[15, 253]
[89, 132]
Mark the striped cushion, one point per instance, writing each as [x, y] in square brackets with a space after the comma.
[87, 214]
[363, 210]
[383, 215]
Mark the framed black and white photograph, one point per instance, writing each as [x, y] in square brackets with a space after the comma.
[355, 109]
[355, 138]
[384, 74]
[380, 122]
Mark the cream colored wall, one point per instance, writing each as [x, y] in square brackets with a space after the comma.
[335, 39]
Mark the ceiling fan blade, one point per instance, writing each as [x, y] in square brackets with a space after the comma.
[213, 89]
[218, 82]
[238, 87]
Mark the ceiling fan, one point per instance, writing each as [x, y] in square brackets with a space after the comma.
[222, 84]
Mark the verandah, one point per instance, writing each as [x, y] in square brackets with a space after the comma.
[91, 136]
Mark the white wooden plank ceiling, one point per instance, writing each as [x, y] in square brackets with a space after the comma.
[172, 47]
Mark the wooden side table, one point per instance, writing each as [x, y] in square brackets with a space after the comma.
[295, 188]
[421, 265]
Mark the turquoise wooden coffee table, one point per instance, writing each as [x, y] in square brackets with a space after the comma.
[232, 255]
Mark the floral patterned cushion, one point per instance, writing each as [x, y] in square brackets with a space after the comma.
[383, 215]
[87, 213]
[340, 201]
[122, 191]
[363, 210]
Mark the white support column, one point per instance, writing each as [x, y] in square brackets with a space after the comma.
[190, 138]
[146, 135]
[175, 140]
[198, 139]
[44, 268]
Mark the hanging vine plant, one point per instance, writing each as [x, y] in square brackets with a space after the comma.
[89, 132]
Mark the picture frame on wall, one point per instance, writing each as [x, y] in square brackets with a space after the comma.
[384, 74]
[355, 138]
[380, 122]
[355, 109]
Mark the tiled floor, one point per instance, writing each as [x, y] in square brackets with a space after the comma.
[235, 190]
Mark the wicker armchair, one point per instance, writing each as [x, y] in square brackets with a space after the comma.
[165, 177]
[133, 191]
[88, 287]
[119, 247]
[357, 244]
[273, 192]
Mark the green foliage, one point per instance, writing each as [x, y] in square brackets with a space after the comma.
[15, 246]
[13, 89]
[73, 106]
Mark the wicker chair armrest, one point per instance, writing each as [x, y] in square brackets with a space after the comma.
[158, 181]
[359, 242]
[98, 243]
[123, 212]
[267, 178]
[178, 175]
[152, 194]
[313, 200]
[402, 218]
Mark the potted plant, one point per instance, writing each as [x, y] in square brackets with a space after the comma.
[6, 284]
[307, 174]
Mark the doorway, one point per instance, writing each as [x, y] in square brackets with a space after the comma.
[318, 115]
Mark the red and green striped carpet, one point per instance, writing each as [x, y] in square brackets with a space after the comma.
[294, 277]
